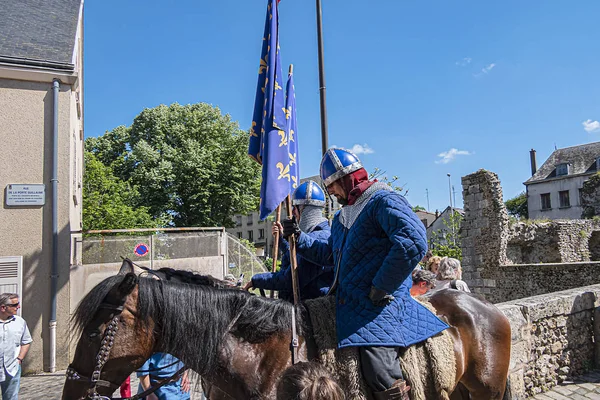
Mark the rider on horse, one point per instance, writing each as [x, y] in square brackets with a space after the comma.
[376, 242]
[313, 280]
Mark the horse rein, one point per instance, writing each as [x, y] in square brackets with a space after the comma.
[102, 357]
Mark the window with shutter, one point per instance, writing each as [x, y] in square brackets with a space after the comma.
[11, 276]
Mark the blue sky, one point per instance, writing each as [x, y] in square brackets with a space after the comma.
[425, 88]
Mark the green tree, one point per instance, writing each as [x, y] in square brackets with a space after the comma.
[188, 162]
[418, 208]
[517, 206]
[446, 242]
[107, 200]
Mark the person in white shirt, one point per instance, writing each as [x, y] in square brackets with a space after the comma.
[15, 340]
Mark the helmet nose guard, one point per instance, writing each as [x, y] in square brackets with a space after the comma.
[309, 193]
[337, 163]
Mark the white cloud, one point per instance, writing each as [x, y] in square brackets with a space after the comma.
[485, 70]
[362, 149]
[464, 62]
[591, 126]
[450, 155]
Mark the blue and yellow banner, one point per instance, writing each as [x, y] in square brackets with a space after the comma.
[272, 143]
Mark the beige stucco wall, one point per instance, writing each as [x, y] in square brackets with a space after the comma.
[26, 145]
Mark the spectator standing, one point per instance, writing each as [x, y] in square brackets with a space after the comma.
[423, 282]
[449, 276]
[14, 345]
[433, 264]
[162, 366]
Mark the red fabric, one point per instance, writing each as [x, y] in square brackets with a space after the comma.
[355, 184]
[125, 388]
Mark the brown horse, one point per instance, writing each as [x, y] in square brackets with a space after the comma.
[240, 343]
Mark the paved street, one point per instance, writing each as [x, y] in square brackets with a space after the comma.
[583, 388]
[49, 386]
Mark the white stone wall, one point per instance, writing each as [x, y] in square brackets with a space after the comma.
[534, 202]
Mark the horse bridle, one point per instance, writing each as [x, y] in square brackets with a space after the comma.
[106, 345]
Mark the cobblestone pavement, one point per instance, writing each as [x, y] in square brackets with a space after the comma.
[586, 387]
[49, 386]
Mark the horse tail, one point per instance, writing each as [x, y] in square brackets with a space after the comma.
[507, 391]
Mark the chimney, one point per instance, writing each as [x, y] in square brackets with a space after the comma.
[533, 162]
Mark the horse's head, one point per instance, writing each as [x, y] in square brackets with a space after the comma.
[112, 344]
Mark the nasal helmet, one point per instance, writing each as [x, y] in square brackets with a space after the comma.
[309, 193]
[337, 163]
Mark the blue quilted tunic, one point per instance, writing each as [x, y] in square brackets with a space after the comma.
[381, 247]
[313, 280]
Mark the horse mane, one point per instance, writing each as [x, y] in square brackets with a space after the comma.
[193, 320]
[190, 277]
[89, 305]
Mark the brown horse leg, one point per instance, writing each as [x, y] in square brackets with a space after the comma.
[460, 393]
[482, 341]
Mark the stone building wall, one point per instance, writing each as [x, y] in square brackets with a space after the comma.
[554, 338]
[505, 260]
[485, 217]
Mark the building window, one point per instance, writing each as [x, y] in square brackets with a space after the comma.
[546, 204]
[251, 236]
[238, 220]
[239, 235]
[261, 233]
[562, 169]
[249, 219]
[580, 197]
[563, 196]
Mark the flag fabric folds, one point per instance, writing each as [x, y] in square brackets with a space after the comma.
[271, 142]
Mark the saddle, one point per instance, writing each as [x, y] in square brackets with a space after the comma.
[429, 367]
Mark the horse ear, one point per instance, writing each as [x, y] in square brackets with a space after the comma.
[128, 284]
[126, 267]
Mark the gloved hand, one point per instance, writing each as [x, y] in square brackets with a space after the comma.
[290, 227]
[380, 298]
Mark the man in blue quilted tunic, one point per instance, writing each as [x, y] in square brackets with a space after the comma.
[376, 241]
[314, 280]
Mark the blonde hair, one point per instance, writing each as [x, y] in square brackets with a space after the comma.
[308, 381]
[433, 260]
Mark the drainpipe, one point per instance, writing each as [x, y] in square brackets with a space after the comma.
[54, 270]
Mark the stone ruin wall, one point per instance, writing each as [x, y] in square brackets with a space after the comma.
[555, 337]
[505, 260]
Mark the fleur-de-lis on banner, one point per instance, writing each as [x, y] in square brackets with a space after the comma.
[252, 131]
[287, 111]
[284, 141]
[284, 172]
[263, 66]
[295, 184]
[292, 158]
[291, 135]
[277, 87]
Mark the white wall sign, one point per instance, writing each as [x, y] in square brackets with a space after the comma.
[25, 195]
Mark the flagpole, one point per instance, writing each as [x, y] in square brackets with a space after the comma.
[322, 88]
[276, 243]
[293, 261]
[323, 93]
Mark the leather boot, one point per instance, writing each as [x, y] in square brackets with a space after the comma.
[398, 391]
